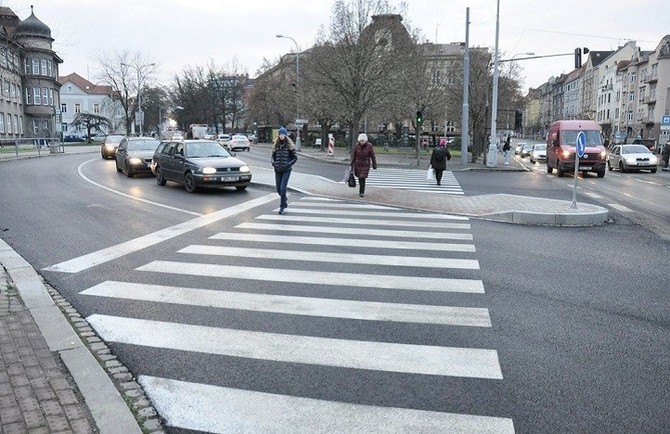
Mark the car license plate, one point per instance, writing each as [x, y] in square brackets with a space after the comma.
[585, 167]
[229, 178]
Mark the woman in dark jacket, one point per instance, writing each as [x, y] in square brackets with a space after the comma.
[438, 160]
[283, 158]
[361, 157]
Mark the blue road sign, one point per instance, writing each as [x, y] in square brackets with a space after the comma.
[665, 120]
[580, 143]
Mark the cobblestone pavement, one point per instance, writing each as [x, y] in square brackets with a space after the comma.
[37, 395]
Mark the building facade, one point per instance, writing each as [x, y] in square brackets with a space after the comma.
[79, 95]
[30, 91]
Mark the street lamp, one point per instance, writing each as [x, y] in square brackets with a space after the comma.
[139, 90]
[297, 88]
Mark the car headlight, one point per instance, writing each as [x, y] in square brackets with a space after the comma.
[603, 154]
[208, 170]
[245, 169]
[566, 154]
[653, 159]
[135, 160]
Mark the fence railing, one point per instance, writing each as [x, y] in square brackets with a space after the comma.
[35, 145]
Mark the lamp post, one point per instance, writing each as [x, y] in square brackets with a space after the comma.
[297, 88]
[139, 90]
[492, 154]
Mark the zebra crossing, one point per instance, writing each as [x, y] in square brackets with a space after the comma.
[352, 267]
[413, 180]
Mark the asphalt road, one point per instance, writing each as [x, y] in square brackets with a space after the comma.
[578, 316]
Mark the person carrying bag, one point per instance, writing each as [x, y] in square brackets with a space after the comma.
[438, 160]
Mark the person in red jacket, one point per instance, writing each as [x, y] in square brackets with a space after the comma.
[362, 157]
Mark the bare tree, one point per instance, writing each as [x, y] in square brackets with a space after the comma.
[90, 122]
[356, 62]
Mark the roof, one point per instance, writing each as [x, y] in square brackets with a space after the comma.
[598, 56]
[85, 85]
[32, 26]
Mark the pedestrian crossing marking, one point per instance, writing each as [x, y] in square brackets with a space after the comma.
[345, 258]
[414, 224]
[414, 180]
[229, 410]
[415, 216]
[388, 233]
[308, 306]
[357, 280]
[619, 207]
[341, 353]
[345, 242]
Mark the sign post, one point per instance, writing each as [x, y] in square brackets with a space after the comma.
[580, 148]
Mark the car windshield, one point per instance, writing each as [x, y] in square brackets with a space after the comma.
[142, 145]
[205, 149]
[113, 139]
[635, 149]
[540, 147]
[527, 146]
[569, 137]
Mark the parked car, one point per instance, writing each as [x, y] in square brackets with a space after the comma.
[526, 149]
[134, 155]
[519, 146]
[109, 145]
[97, 138]
[199, 163]
[239, 142]
[632, 157]
[73, 139]
[539, 153]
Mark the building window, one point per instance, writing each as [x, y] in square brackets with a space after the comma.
[36, 66]
[6, 86]
[16, 124]
[13, 92]
[21, 125]
[631, 96]
[63, 107]
[51, 96]
[49, 68]
[63, 127]
[77, 108]
[96, 108]
[37, 100]
[45, 96]
[9, 123]
[43, 67]
[29, 95]
[2, 123]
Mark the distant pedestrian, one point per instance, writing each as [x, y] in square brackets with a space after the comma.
[666, 155]
[361, 158]
[507, 148]
[283, 158]
[438, 160]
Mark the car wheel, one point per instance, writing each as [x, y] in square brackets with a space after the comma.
[241, 187]
[601, 173]
[560, 170]
[129, 174]
[653, 170]
[189, 182]
[159, 176]
[622, 169]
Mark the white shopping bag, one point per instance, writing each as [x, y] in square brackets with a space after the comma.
[430, 175]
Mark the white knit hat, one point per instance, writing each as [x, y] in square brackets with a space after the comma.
[362, 137]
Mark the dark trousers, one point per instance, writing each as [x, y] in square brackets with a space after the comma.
[281, 181]
[361, 185]
[438, 175]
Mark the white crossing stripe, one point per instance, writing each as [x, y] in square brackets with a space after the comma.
[360, 221]
[389, 233]
[343, 353]
[358, 280]
[619, 207]
[227, 410]
[593, 195]
[321, 307]
[348, 242]
[345, 258]
[105, 255]
[413, 216]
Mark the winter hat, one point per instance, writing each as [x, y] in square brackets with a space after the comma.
[362, 137]
[443, 142]
[283, 131]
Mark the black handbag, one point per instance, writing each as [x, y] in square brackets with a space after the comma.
[352, 180]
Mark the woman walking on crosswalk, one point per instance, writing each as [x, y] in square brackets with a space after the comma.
[438, 160]
[361, 157]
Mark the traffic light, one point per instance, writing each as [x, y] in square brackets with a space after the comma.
[419, 118]
[518, 119]
[578, 56]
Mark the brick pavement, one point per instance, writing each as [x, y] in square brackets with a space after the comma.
[37, 395]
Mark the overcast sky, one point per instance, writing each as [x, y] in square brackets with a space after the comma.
[180, 33]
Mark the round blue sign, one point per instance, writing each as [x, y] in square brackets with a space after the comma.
[580, 143]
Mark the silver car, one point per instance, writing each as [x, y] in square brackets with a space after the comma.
[628, 158]
[539, 153]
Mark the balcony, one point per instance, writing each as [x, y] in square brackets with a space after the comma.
[653, 78]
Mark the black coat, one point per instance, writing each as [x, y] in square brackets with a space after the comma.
[439, 157]
[283, 155]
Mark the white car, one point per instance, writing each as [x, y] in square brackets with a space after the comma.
[539, 153]
[239, 142]
[632, 157]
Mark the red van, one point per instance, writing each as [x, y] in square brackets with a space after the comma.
[561, 148]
